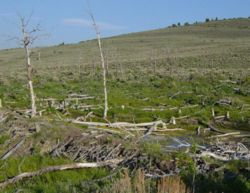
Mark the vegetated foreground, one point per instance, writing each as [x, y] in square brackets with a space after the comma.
[178, 119]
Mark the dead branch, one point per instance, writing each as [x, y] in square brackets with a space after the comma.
[149, 132]
[155, 131]
[224, 102]
[103, 63]
[180, 92]
[120, 124]
[228, 81]
[225, 135]
[213, 155]
[42, 171]
[242, 136]
[106, 130]
[12, 150]
[166, 130]
[211, 127]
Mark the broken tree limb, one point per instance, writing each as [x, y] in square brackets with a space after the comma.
[120, 124]
[213, 155]
[12, 150]
[224, 135]
[211, 127]
[106, 130]
[149, 132]
[157, 130]
[72, 166]
[166, 130]
[180, 92]
[243, 135]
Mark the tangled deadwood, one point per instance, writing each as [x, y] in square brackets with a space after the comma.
[156, 127]
[99, 147]
[222, 151]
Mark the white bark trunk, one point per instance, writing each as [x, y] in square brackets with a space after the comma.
[33, 99]
[30, 83]
[103, 68]
[26, 41]
[104, 78]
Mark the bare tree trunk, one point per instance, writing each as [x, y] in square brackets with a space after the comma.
[107, 64]
[103, 67]
[29, 76]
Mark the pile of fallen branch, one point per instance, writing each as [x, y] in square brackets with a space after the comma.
[94, 147]
[223, 151]
[71, 101]
[98, 147]
[155, 128]
[226, 152]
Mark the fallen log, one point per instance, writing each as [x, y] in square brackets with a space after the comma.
[213, 155]
[211, 127]
[166, 130]
[157, 130]
[120, 124]
[78, 99]
[149, 132]
[228, 81]
[224, 135]
[180, 92]
[242, 136]
[12, 150]
[106, 130]
[223, 102]
[42, 171]
[75, 95]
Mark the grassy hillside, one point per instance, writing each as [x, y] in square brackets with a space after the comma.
[177, 72]
[218, 43]
[201, 58]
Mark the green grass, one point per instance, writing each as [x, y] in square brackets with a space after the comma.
[59, 181]
[146, 70]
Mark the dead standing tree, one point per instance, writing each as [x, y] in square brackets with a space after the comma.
[102, 63]
[26, 41]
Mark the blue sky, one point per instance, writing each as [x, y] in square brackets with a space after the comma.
[67, 21]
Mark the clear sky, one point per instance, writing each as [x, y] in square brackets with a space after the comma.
[67, 21]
